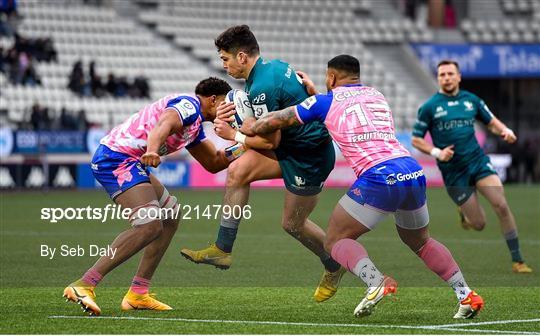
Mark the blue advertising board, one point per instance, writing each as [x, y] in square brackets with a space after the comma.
[484, 60]
[50, 142]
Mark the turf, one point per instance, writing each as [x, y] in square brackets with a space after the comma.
[272, 278]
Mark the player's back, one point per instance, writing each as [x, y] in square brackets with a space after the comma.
[360, 121]
[274, 85]
[130, 137]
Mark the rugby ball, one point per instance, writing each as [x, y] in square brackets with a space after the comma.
[242, 105]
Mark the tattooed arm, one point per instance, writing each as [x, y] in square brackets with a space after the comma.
[274, 121]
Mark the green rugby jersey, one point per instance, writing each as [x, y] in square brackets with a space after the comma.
[273, 85]
[450, 121]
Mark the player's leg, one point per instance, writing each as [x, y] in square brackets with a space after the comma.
[251, 166]
[492, 189]
[142, 199]
[473, 213]
[459, 188]
[137, 296]
[412, 218]
[348, 221]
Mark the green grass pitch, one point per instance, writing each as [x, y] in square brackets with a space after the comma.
[269, 288]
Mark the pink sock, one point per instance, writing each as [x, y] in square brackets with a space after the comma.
[438, 259]
[92, 277]
[140, 285]
[353, 256]
[348, 253]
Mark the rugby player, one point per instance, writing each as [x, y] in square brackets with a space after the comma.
[121, 163]
[389, 181]
[304, 158]
[449, 116]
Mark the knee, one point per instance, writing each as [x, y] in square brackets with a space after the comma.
[151, 230]
[477, 223]
[501, 208]
[238, 173]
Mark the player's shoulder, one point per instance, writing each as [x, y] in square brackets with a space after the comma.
[468, 95]
[431, 102]
[187, 105]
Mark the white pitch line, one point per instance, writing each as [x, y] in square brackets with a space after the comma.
[485, 323]
[178, 319]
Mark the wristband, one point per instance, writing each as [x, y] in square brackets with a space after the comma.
[435, 152]
[234, 152]
[240, 137]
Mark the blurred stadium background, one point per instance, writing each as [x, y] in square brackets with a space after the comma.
[72, 69]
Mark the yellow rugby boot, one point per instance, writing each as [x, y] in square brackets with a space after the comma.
[134, 301]
[328, 285]
[521, 267]
[211, 255]
[84, 295]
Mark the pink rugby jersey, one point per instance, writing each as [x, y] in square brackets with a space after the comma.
[360, 122]
[130, 137]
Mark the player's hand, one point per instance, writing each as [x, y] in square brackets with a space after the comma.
[225, 111]
[508, 136]
[310, 86]
[224, 129]
[447, 154]
[247, 125]
[151, 159]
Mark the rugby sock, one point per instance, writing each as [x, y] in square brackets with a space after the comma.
[329, 264]
[513, 245]
[227, 234]
[353, 256]
[438, 259]
[139, 285]
[91, 277]
[459, 285]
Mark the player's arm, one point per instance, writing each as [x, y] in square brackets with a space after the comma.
[421, 126]
[169, 123]
[209, 157]
[272, 122]
[498, 128]
[493, 124]
[223, 129]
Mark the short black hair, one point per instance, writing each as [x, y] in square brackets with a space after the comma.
[212, 86]
[345, 63]
[238, 38]
[448, 62]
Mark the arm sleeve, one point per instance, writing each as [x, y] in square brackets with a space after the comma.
[423, 122]
[482, 111]
[188, 110]
[200, 138]
[314, 108]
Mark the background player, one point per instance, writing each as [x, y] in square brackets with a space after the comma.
[449, 117]
[272, 85]
[119, 164]
[389, 181]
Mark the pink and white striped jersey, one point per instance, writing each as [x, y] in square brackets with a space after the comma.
[360, 122]
[131, 136]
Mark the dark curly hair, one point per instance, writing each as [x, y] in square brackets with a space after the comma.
[212, 86]
[238, 38]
